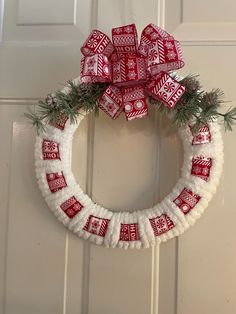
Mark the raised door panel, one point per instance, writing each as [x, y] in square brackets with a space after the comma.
[205, 255]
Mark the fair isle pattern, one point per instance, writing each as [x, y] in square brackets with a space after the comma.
[96, 66]
[201, 167]
[168, 219]
[71, 207]
[149, 35]
[127, 66]
[96, 43]
[96, 225]
[56, 181]
[161, 224]
[169, 56]
[130, 94]
[129, 69]
[131, 112]
[186, 200]
[203, 135]
[141, 69]
[167, 88]
[180, 54]
[129, 232]
[135, 105]
[50, 150]
[60, 122]
[111, 102]
[125, 39]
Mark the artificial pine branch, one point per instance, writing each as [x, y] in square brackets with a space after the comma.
[35, 120]
[195, 106]
[229, 118]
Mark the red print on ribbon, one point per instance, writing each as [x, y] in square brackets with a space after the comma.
[161, 224]
[50, 150]
[129, 232]
[71, 207]
[96, 225]
[133, 71]
[56, 181]
[201, 167]
[187, 200]
[203, 135]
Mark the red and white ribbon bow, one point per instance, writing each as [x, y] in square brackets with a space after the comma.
[133, 71]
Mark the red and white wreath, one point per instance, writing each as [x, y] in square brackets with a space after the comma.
[202, 167]
[127, 74]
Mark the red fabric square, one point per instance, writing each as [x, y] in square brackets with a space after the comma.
[50, 150]
[60, 121]
[161, 224]
[96, 225]
[201, 167]
[186, 200]
[203, 136]
[71, 207]
[56, 181]
[129, 232]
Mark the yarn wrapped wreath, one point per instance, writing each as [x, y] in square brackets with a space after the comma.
[102, 85]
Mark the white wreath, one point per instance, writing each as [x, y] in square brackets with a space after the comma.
[202, 167]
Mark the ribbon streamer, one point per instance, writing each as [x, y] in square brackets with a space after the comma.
[133, 71]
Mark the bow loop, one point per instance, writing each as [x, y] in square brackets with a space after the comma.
[164, 55]
[133, 71]
[95, 68]
[125, 40]
[149, 35]
[97, 43]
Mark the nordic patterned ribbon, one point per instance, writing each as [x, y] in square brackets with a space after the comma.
[133, 70]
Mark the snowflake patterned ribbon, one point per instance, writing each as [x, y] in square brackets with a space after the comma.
[133, 70]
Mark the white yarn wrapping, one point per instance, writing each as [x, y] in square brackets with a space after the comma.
[182, 222]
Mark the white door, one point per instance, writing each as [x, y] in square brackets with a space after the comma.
[43, 268]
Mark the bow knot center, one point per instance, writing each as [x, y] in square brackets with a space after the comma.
[129, 70]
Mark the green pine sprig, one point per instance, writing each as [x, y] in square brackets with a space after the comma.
[83, 96]
[195, 107]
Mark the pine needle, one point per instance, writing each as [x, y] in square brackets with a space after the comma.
[195, 105]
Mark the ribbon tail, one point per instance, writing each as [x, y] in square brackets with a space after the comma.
[135, 105]
[111, 102]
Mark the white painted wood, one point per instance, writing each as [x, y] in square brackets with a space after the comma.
[170, 160]
[46, 33]
[201, 23]
[116, 13]
[50, 68]
[202, 265]
[45, 12]
[207, 252]
[209, 11]
[32, 256]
